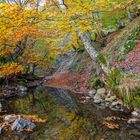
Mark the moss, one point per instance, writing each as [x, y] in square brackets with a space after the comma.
[129, 44]
[118, 42]
[132, 40]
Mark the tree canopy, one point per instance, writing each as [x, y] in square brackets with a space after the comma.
[35, 32]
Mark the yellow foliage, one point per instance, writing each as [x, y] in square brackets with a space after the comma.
[78, 16]
[19, 29]
[22, 26]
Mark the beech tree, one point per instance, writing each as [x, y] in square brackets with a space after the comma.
[19, 32]
[79, 17]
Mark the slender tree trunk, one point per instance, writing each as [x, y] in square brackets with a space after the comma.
[62, 4]
[129, 14]
[87, 42]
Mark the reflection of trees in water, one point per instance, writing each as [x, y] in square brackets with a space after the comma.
[68, 125]
[80, 129]
[31, 104]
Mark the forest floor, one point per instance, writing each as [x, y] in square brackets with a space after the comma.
[78, 76]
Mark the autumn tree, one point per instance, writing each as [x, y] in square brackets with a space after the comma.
[34, 30]
[19, 31]
[74, 20]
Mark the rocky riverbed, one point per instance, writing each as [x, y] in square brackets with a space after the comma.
[103, 99]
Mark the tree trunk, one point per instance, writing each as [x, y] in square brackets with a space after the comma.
[129, 14]
[86, 40]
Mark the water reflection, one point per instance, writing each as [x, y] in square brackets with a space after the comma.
[66, 118]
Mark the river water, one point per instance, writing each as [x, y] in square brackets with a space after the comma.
[67, 118]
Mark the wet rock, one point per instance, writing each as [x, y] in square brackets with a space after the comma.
[116, 105]
[110, 99]
[100, 94]
[97, 97]
[21, 123]
[103, 104]
[136, 113]
[9, 118]
[101, 91]
[87, 97]
[108, 94]
[134, 122]
[98, 101]
[92, 93]
[107, 104]
[22, 88]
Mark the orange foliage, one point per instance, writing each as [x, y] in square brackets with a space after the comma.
[111, 125]
[10, 69]
[19, 29]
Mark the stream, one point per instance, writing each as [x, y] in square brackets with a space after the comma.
[67, 118]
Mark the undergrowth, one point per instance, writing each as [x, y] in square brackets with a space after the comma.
[124, 87]
[130, 43]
